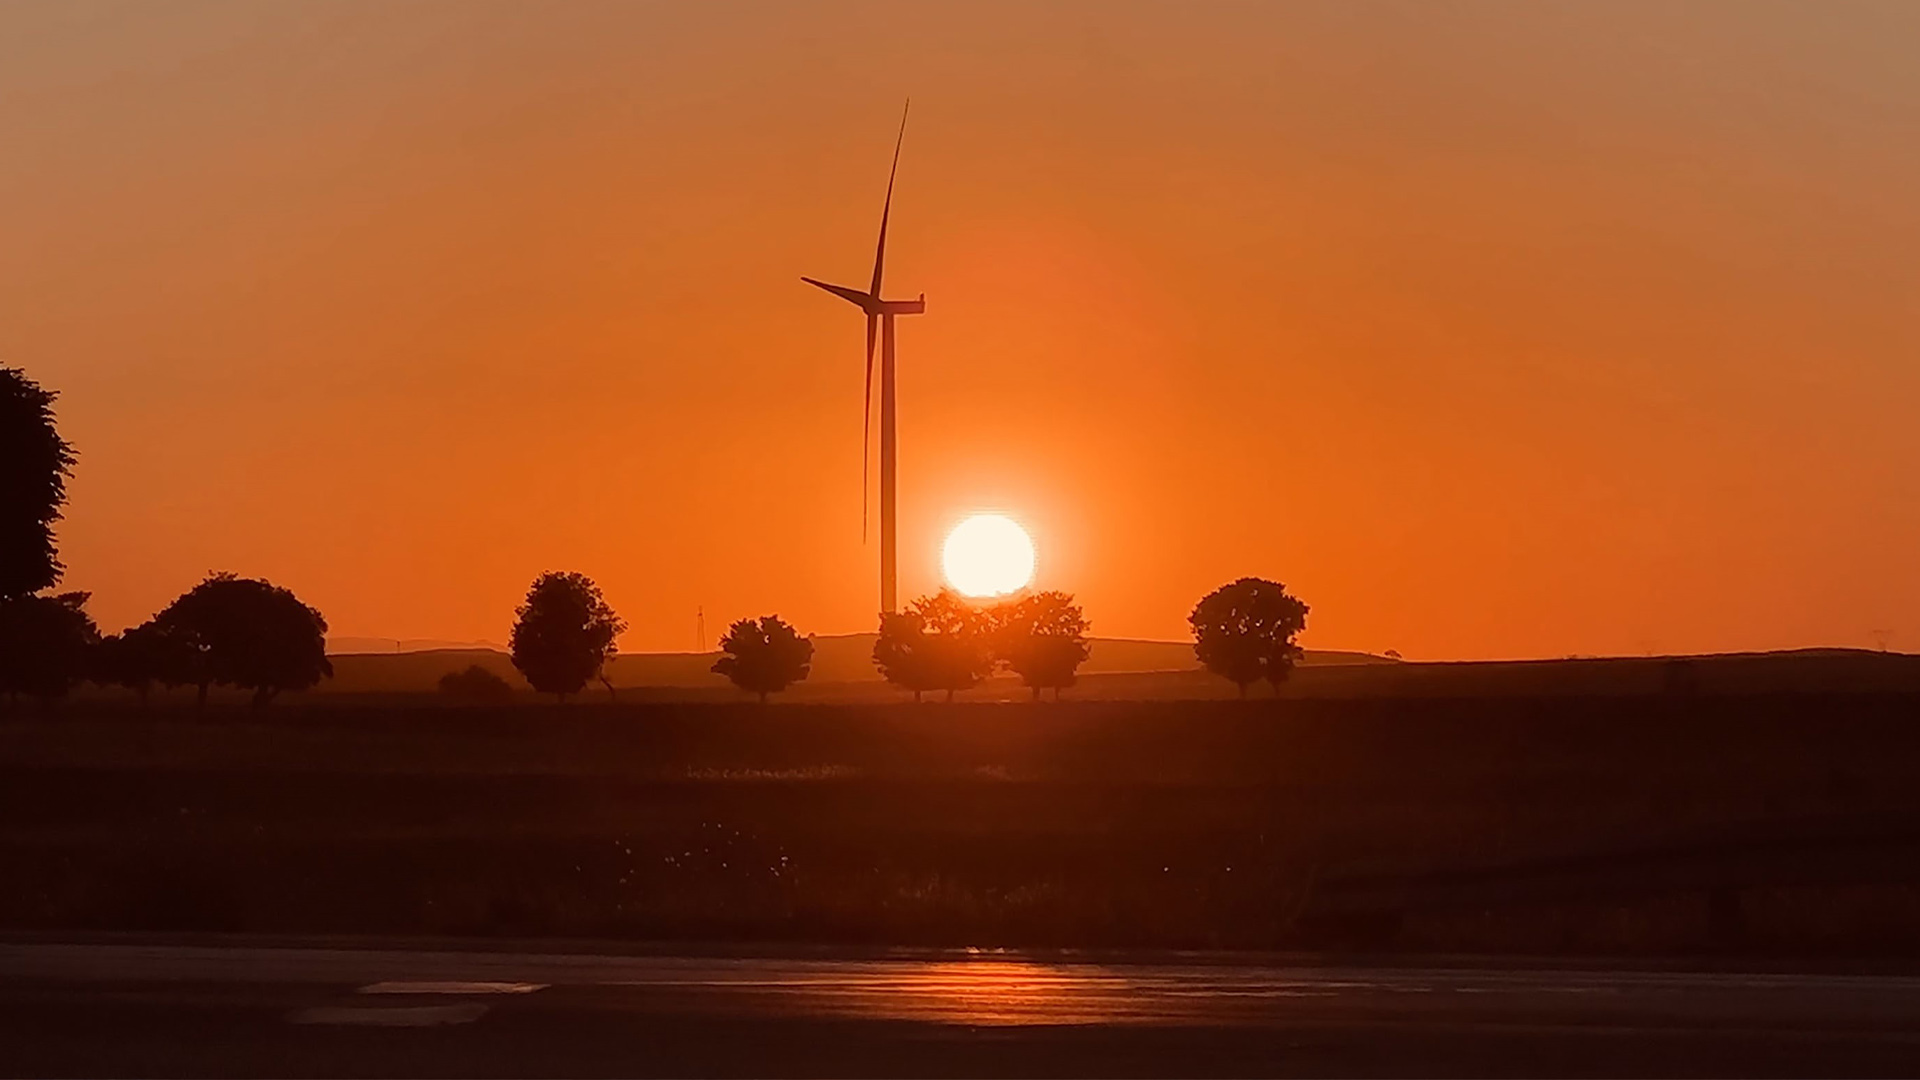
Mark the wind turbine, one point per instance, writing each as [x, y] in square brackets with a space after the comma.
[880, 312]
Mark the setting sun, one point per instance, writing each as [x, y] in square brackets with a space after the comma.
[988, 555]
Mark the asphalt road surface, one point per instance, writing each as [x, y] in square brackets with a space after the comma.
[214, 1010]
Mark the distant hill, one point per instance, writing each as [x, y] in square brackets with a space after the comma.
[338, 646]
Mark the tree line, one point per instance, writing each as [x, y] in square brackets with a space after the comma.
[564, 636]
[944, 642]
[259, 637]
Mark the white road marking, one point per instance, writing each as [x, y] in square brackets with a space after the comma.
[445, 986]
[416, 1016]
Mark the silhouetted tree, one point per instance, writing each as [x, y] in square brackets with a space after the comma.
[178, 659]
[34, 465]
[1281, 661]
[46, 644]
[764, 656]
[476, 686]
[144, 655]
[1244, 631]
[905, 653]
[959, 645]
[564, 634]
[246, 633]
[1042, 637]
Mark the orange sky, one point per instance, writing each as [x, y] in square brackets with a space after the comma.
[1493, 330]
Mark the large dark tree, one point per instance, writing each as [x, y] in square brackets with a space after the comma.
[46, 644]
[247, 633]
[139, 658]
[962, 645]
[764, 656]
[1042, 637]
[148, 654]
[34, 465]
[564, 634]
[940, 643]
[906, 653]
[1244, 631]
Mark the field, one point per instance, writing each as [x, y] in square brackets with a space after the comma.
[1695, 818]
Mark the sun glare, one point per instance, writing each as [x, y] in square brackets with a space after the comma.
[988, 555]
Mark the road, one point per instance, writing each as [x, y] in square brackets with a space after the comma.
[245, 1010]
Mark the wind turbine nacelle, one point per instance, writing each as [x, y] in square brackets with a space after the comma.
[902, 307]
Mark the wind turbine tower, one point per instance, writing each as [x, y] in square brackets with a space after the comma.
[881, 312]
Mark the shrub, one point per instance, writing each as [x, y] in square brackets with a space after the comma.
[476, 686]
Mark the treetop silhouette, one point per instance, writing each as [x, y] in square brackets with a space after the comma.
[764, 656]
[941, 642]
[905, 653]
[1042, 637]
[146, 654]
[947, 612]
[46, 645]
[247, 633]
[33, 485]
[564, 634]
[1244, 632]
[960, 642]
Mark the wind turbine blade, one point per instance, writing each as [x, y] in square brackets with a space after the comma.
[852, 296]
[886, 208]
[866, 428]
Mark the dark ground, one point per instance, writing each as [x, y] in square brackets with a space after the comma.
[1785, 825]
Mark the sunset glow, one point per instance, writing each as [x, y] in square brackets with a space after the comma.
[1626, 361]
[988, 555]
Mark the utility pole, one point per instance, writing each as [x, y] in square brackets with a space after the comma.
[700, 629]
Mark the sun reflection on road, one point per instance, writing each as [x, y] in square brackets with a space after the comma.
[1003, 992]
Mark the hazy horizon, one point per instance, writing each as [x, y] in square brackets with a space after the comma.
[1491, 329]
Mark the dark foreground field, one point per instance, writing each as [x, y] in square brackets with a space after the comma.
[1783, 825]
